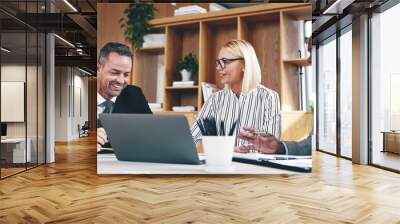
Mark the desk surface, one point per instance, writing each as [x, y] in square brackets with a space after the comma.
[108, 164]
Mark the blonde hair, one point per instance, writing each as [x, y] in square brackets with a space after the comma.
[252, 71]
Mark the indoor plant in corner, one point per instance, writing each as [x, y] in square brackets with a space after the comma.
[187, 66]
[136, 24]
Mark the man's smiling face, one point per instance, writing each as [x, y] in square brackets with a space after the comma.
[113, 75]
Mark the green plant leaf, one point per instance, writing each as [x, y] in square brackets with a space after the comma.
[189, 62]
[136, 23]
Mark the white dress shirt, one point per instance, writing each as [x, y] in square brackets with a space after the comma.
[258, 109]
[100, 100]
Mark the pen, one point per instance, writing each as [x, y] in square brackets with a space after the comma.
[261, 133]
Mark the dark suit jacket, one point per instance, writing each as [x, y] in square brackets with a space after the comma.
[130, 101]
[301, 148]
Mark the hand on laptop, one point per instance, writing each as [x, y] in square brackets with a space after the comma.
[101, 137]
[262, 142]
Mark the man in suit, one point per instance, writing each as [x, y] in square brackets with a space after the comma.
[114, 95]
[269, 144]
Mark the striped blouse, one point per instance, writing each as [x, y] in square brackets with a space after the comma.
[259, 109]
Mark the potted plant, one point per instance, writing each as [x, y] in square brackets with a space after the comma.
[311, 107]
[187, 66]
[136, 24]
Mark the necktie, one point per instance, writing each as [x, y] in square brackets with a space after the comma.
[108, 105]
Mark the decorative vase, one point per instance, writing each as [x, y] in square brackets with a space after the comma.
[186, 75]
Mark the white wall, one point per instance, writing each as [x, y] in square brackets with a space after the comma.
[16, 73]
[71, 94]
[80, 97]
[33, 126]
[61, 103]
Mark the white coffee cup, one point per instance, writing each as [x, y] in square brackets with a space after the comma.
[218, 150]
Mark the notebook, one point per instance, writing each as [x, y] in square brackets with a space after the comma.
[287, 162]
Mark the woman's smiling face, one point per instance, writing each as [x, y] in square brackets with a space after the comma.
[232, 71]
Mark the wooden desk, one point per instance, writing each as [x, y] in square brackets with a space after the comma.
[391, 141]
[108, 164]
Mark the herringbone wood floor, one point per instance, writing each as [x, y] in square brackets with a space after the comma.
[70, 191]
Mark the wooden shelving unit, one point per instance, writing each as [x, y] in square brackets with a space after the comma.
[181, 88]
[153, 50]
[298, 61]
[273, 31]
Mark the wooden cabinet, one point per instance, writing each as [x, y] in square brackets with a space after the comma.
[391, 141]
[273, 29]
[190, 116]
[296, 125]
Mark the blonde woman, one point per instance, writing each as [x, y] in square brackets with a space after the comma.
[244, 100]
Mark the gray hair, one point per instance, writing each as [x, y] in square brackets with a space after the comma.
[110, 47]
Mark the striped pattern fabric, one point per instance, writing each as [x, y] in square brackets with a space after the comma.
[259, 109]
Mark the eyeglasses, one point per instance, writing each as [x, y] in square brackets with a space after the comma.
[222, 62]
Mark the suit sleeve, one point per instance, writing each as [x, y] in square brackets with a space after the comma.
[131, 101]
[302, 148]
[144, 105]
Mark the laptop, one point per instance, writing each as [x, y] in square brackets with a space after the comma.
[150, 138]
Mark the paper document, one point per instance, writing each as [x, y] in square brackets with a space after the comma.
[288, 162]
[261, 156]
[294, 162]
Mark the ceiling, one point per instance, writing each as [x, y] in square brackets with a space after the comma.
[327, 21]
[72, 20]
[76, 22]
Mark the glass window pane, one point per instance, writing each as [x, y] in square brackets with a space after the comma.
[41, 98]
[32, 83]
[31, 97]
[385, 84]
[13, 84]
[327, 97]
[346, 94]
[23, 87]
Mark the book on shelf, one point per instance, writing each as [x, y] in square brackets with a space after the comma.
[153, 40]
[216, 7]
[155, 107]
[187, 13]
[183, 108]
[182, 83]
[191, 9]
[208, 89]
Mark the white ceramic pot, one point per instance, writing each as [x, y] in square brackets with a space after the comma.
[186, 75]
